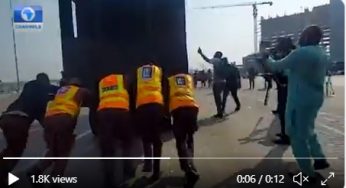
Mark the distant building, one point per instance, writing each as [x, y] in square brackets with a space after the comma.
[337, 23]
[329, 17]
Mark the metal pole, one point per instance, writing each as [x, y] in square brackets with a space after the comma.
[255, 26]
[14, 46]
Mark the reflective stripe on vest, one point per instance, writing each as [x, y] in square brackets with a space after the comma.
[149, 88]
[181, 92]
[64, 102]
[113, 93]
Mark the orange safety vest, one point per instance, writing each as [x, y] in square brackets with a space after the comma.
[112, 93]
[64, 102]
[149, 89]
[181, 92]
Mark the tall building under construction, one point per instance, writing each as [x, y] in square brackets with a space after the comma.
[329, 17]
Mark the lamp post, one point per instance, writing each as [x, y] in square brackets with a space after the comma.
[14, 46]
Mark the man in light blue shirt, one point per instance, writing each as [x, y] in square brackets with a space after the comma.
[306, 69]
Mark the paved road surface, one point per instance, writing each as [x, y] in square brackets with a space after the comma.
[244, 136]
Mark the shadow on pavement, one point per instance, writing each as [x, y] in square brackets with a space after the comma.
[210, 121]
[272, 130]
[257, 134]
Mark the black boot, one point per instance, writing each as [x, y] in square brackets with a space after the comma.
[237, 109]
[321, 164]
[275, 112]
[216, 116]
[219, 115]
[191, 178]
[284, 140]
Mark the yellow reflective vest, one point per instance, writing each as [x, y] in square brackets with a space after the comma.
[181, 92]
[149, 89]
[64, 102]
[112, 93]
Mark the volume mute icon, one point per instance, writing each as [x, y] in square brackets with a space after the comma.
[12, 179]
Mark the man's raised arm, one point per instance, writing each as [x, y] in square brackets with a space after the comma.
[203, 56]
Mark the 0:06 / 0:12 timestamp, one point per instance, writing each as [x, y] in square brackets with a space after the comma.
[260, 179]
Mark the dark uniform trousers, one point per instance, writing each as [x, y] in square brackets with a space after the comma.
[115, 139]
[15, 129]
[234, 93]
[282, 100]
[59, 137]
[218, 88]
[150, 120]
[184, 126]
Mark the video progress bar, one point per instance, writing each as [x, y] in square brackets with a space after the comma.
[163, 158]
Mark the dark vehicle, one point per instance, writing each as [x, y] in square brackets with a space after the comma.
[337, 68]
[115, 36]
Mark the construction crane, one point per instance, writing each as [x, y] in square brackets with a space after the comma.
[254, 11]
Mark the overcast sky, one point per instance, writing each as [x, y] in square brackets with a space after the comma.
[229, 30]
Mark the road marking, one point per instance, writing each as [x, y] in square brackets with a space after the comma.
[328, 119]
[166, 158]
[331, 128]
[332, 115]
[83, 134]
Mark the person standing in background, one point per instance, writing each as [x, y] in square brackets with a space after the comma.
[305, 98]
[251, 76]
[329, 85]
[195, 79]
[219, 81]
[204, 78]
[210, 78]
[232, 85]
